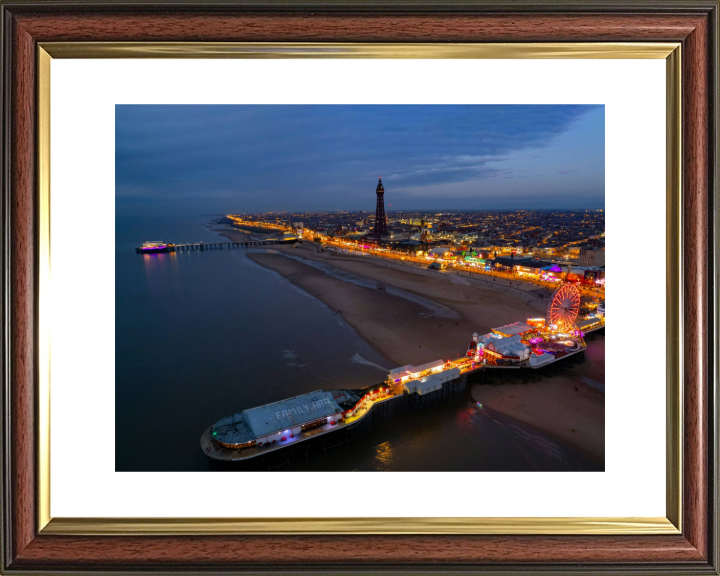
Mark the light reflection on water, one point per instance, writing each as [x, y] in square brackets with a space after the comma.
[385, 457]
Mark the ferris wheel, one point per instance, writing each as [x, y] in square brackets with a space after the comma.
[564, 307]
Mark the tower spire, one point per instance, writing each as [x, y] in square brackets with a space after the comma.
[380, 219]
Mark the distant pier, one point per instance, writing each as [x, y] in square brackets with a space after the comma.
[217, 245]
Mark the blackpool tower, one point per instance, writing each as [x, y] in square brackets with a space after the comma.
[380, 220]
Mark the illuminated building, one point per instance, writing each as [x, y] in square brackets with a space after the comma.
[431, 382]
[512, 329]
[257, 431]
[410, 372]
[591, 257]
[279, 421]
[154, 246]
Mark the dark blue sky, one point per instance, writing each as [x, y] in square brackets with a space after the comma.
[207, 159]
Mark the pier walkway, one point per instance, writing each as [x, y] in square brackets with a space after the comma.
[218, 245]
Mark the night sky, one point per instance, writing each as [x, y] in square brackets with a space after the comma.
[217, 159]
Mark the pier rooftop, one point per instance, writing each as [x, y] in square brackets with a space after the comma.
[290, 421]
[286, 418]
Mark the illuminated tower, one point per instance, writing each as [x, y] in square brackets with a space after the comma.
[380, 220]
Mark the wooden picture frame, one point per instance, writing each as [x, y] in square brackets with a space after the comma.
[33, 544]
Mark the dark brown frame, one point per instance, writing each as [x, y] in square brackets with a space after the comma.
[692, 23]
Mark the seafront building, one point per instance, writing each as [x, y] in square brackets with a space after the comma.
[257, 431]
[283, 420]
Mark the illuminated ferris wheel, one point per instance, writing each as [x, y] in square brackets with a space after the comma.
[564, 307]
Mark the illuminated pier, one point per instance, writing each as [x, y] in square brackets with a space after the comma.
[162, 247]
[534, 344]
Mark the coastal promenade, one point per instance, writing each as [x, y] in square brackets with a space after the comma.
[354, 248]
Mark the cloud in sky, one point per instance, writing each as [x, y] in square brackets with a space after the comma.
[247, 158]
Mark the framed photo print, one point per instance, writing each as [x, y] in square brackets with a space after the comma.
[294, 287]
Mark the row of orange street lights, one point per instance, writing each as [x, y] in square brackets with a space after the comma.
[387, 253]
[256, 224]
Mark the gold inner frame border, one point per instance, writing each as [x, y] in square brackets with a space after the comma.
[671, 524]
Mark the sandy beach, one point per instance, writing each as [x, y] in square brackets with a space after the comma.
[564, 405]
[394, 326]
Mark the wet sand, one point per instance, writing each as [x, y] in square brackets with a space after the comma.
[559, 406]
[398, 329]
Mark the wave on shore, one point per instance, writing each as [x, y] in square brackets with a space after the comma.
[357, 359]
[292, 359]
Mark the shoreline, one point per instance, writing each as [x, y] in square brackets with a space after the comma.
[381, 319]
